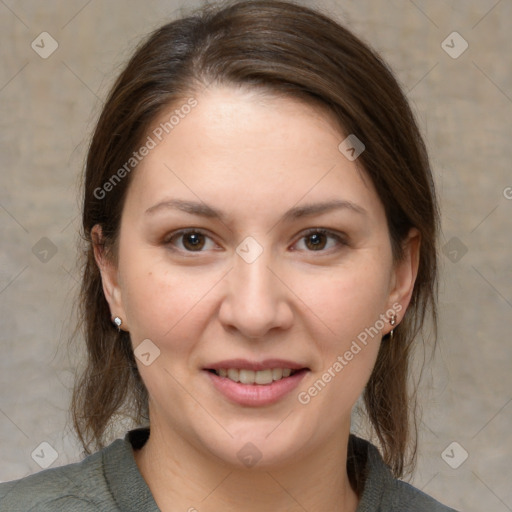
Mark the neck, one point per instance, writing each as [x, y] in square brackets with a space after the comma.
[181, 477]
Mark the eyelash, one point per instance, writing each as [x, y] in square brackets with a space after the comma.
[340, 239]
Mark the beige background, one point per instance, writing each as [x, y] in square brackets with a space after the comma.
[464, 106]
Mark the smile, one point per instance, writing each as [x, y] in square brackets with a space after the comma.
[263, 377]
[255, 383]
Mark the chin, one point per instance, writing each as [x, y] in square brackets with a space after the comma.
[269, 445]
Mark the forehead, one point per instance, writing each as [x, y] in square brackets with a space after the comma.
[238, 143]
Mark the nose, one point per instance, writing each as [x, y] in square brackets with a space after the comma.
[256, 298]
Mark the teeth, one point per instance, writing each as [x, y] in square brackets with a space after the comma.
[232, 374]
[246, 376]
[263, 377]
[277, 373]
[254, 377]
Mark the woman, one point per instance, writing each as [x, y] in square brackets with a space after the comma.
[260, 224]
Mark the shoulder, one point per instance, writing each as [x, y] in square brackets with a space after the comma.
[79, 486]
[404, 497]
[381, 491]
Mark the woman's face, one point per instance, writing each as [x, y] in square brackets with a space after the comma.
[287, 265]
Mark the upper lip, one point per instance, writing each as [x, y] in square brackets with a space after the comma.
[244, 364]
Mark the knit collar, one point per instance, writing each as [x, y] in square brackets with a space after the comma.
[125, 481]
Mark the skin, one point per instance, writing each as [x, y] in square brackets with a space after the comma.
[254, 157]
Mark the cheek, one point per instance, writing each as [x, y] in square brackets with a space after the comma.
[164, 303]
[347, 337]
[346, 301]
[346, 306]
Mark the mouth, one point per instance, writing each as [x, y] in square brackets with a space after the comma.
[251, 377]
[254, 384]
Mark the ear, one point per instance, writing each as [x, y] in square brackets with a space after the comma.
[109, 276]
[404, 275]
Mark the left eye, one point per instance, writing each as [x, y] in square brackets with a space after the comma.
[317, 239]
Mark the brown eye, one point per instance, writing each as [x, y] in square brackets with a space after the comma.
[317, 240]
[191, 241]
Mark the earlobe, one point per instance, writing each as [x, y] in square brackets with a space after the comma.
[109, 274]
[405, 273]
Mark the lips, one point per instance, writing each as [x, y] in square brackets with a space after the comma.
[255, 383]
[244, 364]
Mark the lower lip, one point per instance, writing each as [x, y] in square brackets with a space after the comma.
[256, 394]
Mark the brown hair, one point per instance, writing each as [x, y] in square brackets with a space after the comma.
[282, 48]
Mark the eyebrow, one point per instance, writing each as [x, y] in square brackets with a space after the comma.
[204, 210]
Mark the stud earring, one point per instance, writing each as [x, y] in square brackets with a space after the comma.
[392, 322]
[118, 322]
